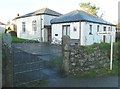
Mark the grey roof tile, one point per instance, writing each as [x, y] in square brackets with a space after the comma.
[78, 15]
[40, 12]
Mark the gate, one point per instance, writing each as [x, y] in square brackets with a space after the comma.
[31, 61]
[26, 62]
[27, 67]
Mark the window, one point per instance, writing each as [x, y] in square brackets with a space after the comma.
[56, 34]
[34, 26]
[104, 29]
[75, 28]
[23, 26]
[98, 28]
[66, 30]
[109, 29]
[90, 30]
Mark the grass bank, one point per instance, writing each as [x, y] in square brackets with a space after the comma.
[20, 40]
[38, 83]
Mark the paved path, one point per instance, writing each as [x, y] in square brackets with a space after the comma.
[55, 79]
[111, 81]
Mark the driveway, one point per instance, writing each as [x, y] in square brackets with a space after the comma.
[55, 79]
[111, 81]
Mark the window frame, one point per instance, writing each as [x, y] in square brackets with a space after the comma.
[34, 25]
[109, 29]
[90, 28]
[104, 28]
[98, 28]
[23, 27]
[65, 30]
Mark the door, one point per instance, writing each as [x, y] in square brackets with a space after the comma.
[49, 35]
[104, 39]
[66, 30]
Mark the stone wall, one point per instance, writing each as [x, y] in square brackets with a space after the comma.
[87, 58]
[78, 58]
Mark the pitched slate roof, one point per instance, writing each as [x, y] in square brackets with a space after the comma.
[45, 11]
[76, 16]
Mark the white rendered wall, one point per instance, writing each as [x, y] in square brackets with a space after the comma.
[29, 33]
[88, 39]
[48, 18]
[57, 29]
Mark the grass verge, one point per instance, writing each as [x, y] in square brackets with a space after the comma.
[20, 40]
[99, 73]
[38, 83]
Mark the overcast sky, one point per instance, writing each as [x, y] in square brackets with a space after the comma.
[10, 8]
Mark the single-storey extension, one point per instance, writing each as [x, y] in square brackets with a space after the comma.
[82, 28]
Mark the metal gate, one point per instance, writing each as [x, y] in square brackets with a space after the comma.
[30, 61]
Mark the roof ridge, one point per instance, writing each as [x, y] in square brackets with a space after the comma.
[78, 15]
[39, 12]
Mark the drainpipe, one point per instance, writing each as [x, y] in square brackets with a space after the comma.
[80, 33]
[41, 29]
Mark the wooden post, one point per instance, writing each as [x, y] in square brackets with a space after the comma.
[66, 53]
[111, 50]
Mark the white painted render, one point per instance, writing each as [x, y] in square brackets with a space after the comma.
[29, 33]
[82, 32]
[57, 29]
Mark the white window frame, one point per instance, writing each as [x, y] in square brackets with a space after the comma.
[34, 25]
[23, 27]
[98, 28]
[66, 30]
[105, 28]
[90, 27]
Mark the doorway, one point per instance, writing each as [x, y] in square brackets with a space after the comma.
[104, 38]
[48, 33]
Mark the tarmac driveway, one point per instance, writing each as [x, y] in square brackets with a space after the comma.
[55, 79]
[111, 81]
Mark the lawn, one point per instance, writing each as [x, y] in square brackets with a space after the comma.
[20, 40]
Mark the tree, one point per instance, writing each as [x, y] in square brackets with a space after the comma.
[91, 9]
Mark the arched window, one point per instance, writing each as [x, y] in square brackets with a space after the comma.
[98, 27]
[23, 27]
[34, 25]
[90, 33]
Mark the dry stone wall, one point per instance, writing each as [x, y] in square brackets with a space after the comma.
[85, 59]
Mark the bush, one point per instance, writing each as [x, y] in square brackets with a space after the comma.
[13, 33]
